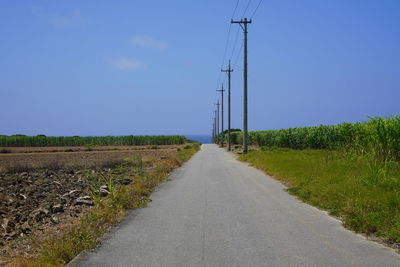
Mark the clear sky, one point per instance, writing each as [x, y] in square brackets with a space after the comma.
[152, 67]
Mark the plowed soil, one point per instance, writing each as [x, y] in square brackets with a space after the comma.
[47, 190]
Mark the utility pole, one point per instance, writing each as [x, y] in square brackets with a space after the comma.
[229, 70]
[217, 121]
[243, 25]
[222, 114]
[215, 126]
[212, 132]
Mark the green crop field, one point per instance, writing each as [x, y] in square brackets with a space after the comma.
[378, 137]
[41, 140]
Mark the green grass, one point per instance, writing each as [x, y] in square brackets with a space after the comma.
[365, 193]
[89, 141]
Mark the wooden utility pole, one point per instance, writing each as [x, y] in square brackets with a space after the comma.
[229, 70]
[215, 126]
[217, 121]
[212, 132]
[222, 114]
[243, 25]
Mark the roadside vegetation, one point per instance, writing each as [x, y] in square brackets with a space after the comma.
[42, 140]
[378, 138]
[351, 170]
[112, 191]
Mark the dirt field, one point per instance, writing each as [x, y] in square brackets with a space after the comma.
[47, 190]
[15, 162]
[5, 150]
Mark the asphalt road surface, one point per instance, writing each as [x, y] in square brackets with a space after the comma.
[217, 211]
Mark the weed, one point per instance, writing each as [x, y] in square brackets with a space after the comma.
[377, 173]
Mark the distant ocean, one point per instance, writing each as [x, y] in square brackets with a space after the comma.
[205, 139]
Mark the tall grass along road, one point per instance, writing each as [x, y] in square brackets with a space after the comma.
[378, 138]
[217, 211]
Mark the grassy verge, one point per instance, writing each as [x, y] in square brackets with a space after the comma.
[364, 193]
[147, 173]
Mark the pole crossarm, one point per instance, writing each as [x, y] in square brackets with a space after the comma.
[242, 21]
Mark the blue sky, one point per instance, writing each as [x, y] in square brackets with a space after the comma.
[152, 67]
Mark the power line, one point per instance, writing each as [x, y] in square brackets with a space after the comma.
[229, 31]
[227, 44]
[237, 56]
[248, 4]
[237, 32]
[243, 24]
[234, 11]
[259, 3]
[235, 42]
[228, 37]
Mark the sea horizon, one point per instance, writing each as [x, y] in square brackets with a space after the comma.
[202, 138]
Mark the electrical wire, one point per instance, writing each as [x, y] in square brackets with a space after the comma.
[248, 4]
[228, 38]
[237, 56]
[226, 45]
[235, 42]
[259, 3]
[234, 11]
[226, 48]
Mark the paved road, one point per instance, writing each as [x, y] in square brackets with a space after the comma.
[217, 211]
